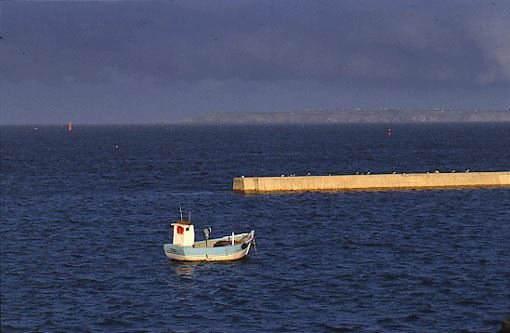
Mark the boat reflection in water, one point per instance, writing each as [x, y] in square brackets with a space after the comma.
[185, 269]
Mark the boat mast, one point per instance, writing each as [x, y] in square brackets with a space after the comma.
[180, 210]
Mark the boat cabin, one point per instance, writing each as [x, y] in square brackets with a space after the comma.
[184, 233]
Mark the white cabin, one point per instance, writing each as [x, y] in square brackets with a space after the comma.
[184, 233]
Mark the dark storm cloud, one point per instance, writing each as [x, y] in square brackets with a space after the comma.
[415, 42]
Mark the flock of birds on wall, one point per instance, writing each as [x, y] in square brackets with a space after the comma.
[369, 173]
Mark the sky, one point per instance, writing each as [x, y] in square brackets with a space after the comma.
[163, 61]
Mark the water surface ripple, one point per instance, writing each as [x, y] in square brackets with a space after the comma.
[84, 215]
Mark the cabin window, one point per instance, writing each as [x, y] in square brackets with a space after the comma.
[187, 229]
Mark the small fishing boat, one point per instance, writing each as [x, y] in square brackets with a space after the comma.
[184, 247]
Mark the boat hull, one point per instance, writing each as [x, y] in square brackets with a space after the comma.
[201, 252]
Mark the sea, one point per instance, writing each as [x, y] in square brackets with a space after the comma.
[85, 214]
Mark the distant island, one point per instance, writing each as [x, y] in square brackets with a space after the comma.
[350, 116]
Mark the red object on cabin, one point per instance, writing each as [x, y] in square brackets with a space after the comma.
[180, 230]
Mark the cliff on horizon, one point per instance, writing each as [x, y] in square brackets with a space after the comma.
[351, 116]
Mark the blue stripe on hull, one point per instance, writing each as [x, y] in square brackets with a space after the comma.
[202, 251]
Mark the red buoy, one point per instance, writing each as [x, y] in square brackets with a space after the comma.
[389, 131]
[70, 126]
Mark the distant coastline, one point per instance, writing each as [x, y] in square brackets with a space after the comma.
[350, 116]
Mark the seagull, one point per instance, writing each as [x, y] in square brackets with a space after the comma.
[453, 170]
[368, 173]
[436, 171]
[308, 174]
[467, 170]
[282, 176]
[394, 172]
[242, 176]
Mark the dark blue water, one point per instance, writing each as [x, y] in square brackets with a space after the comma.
[83, 225]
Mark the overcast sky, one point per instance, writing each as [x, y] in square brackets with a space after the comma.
[146, 62]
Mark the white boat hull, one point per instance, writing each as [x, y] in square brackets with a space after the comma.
[211, 250]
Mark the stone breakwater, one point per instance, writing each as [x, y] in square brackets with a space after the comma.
[374, 182]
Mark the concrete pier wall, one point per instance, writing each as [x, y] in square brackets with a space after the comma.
[371, 182]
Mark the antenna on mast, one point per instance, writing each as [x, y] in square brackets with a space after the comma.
[180, 210]
[189, 216]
